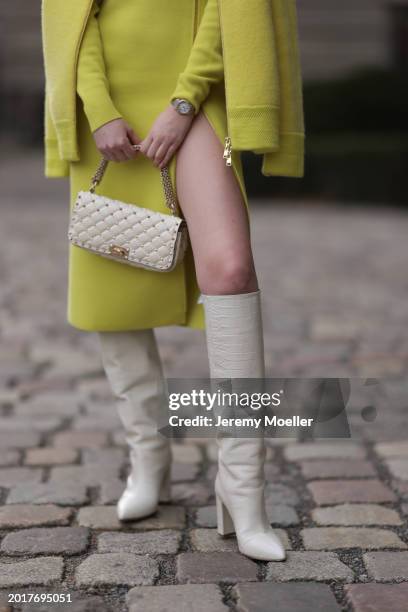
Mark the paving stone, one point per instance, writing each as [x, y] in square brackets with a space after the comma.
[63, 404]
[50, 456]
[212, 450]
[103, 456]
[298, 597]
[11, 476]
[44, 385]
[386, 566]
[110, 491]
[398, 468]
[104, 517]
[215, 567]
[338, 491]
[30, 516]
[112, 569]
[328, 538]
[96, 423]
[317, 566]
[378, 597]
[65, 361]
[78, 603]
[9, 397]
[280, 494]
[183, 597]
[101, 409]
[392, 449]
[97, 389]
[206, 516]
[356, 514]
[319, 450]
[90, 475]
[38, 423]
[42, 570]
[186, 453]
[386, 366]
[118, 438]
[15, 372]
[19, 439]
[326, 328]
[40, 540]
[272, 472]
[281, 515]
[51, 492]
[192, 493]
[211, 472]
[160, 542]
[9, 457]
[337, 468]
[184, 471]
[81, 439]
[208, 540]
[402, 488]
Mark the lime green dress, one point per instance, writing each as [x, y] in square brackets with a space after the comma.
[135, 56]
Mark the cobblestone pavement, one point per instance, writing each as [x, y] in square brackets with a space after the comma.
[335, 289]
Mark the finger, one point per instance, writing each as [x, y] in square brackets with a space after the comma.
[121, 156]
[161, 152]
[133, 137]
[151, 151]
[114, 154]
[128, 150]
[106, 154]
[171, 150]
[145, 144]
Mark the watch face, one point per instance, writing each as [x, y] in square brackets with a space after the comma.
[184, 108]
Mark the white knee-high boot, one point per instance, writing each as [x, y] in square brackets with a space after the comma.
[133, 367]
[236, 350]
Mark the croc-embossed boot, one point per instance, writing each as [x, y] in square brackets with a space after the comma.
[133, 368]
[236, 350]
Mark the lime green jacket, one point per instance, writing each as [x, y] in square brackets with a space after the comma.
[251, 44]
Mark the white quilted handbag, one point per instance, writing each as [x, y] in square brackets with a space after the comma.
[126, 232]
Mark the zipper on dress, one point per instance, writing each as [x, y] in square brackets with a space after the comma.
[227, 151]
[227, 155]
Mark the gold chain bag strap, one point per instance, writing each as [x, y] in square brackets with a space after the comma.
[126, 232]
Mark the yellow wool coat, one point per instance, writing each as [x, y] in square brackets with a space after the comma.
[194, 52]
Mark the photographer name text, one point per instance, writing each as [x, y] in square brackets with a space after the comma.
[255, 422]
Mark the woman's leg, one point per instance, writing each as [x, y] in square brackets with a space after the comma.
[133, 368]
[212, 203]
[211, 200]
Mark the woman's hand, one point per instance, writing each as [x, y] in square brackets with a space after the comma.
[166, 135]
[115, 139]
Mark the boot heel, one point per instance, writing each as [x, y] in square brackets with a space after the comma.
[165, 488]
[225, 525]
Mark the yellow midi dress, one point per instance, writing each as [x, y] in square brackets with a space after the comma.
[135, 56]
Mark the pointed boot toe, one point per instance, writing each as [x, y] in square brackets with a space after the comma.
[132, 507]
[263, 547]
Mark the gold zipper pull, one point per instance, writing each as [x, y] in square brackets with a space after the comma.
[227, 151]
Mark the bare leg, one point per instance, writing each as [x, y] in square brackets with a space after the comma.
[212, 204]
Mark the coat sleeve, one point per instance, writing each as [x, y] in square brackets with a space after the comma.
[54, 165]
[92, 82]
[205, 65]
